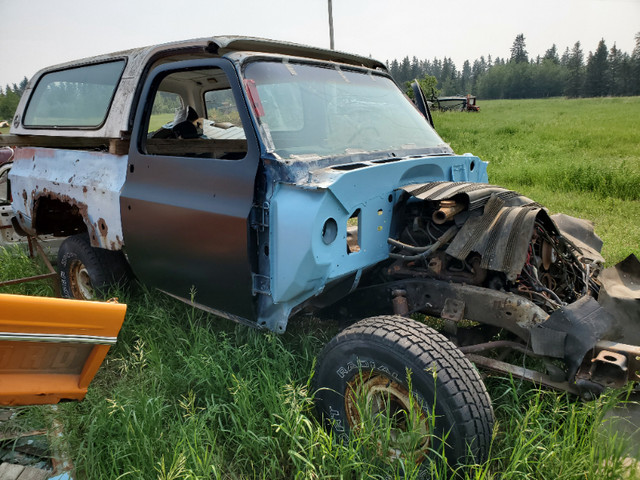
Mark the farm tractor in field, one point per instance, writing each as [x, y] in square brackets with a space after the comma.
[275, 179]
[460, 103]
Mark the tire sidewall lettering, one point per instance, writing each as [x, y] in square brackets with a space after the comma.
[361, 364]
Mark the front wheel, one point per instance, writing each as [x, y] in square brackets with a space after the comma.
[404, 375]
[87, 272]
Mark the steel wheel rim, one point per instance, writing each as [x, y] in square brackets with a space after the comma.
[387, 397]
[80, 281]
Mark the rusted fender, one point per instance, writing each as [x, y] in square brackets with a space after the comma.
[89, 183]
[51, 348]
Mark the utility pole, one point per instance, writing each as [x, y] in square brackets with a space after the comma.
[331, 26]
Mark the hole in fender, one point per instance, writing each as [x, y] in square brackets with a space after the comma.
[472, 166]
[329, 231]
[353, 232]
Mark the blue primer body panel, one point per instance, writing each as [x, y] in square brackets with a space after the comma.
[302, 260]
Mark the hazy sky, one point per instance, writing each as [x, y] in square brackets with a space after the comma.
[39, 33]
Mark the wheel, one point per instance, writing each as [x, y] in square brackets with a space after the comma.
[411, 377]
[87, 272]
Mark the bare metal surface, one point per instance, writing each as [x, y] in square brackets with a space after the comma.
[448, 209]
[631, 352]
[521, 372]
[610, 369]
[87, 183]
[483, 347]
[620, 296]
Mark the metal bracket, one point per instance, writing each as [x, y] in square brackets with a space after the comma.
[260, 220]
[452, 313]
[261, 284]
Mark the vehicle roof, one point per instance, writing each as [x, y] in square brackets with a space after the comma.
[138, 60]
[222, 45]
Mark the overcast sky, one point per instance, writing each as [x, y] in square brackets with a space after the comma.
[39, 33]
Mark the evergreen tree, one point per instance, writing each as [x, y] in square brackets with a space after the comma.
[616, 72]
[465, 78]
[635, 67]
[597, 81]
[552, 55]
[22, 86]
[8, 103]
[405, 71]
[575, 72]
[448, 80]
[415, 68]
[518, 50]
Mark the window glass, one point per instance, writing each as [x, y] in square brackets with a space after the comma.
[75, 97]
[165, 105]
[194, 114]
[4, 185]
[309, 110]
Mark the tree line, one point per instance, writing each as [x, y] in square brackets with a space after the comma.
[604, 72]
[9, 98]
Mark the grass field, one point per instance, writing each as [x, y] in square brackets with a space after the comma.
[184, 395]
[580, 157]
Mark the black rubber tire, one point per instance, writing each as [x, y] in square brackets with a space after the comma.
[101, 269]
[387, 346]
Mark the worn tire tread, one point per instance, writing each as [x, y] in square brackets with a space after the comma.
[468, 398]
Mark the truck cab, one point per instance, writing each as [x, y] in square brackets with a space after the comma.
[226, 169]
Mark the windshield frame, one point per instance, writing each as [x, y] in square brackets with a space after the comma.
[437, 147]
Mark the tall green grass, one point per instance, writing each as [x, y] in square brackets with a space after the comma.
[580, 157]
[15, 263]
[185, 395]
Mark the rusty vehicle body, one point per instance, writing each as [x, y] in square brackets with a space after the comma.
[294, 179]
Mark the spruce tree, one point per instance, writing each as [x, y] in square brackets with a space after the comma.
[597, 78]
[575, 72]
[518, 50]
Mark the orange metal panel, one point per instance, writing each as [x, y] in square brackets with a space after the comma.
[51, 348]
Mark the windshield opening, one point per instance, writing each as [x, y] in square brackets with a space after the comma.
[319, 111]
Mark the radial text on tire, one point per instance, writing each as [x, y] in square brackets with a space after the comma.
[372, 359]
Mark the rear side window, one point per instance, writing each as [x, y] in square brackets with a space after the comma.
[75, 97]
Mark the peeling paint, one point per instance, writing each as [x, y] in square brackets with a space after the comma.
[94, 196]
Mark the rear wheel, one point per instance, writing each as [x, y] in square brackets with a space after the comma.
[400, 373]
[87, 272]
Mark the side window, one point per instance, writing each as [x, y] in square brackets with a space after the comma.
[74, 97]
[165, 105]
[194, 114]
[4, 185]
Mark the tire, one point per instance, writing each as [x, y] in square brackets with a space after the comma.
[371, 358]
[87, 273]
